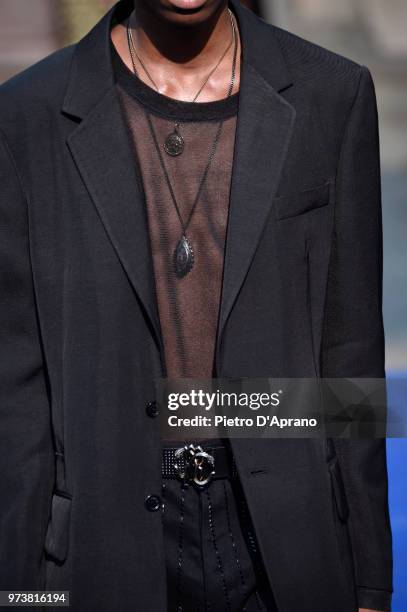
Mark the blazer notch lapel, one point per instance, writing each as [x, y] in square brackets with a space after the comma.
[104, 157]
[264, 129]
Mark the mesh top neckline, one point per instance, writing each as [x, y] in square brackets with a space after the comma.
[170, 108]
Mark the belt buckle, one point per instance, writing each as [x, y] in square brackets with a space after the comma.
[193, 465]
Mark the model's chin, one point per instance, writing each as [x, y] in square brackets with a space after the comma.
[187, 5]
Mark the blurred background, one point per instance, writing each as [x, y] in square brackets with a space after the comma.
[372, 32]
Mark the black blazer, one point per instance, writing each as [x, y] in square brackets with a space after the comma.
[80, 339]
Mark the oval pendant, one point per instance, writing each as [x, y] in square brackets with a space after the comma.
[174, 144]
[183, 257]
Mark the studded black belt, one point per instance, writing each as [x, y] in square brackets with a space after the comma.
[196, 465]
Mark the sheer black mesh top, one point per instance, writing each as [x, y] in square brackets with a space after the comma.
[188, 307]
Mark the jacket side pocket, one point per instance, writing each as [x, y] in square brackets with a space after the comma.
[338, 489]
[57, 536]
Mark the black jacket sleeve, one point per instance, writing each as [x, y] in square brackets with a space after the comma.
[26, 452]
[353, 339]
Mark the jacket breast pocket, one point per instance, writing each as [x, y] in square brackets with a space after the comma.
[291, 205]
[57, 536]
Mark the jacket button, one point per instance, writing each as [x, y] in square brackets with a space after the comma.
[152, 409]
[153, 503]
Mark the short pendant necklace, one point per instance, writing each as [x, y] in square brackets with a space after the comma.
[174, 143]
[183, 256]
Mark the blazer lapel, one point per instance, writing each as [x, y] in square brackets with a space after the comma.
[264, 128]
[102, 152]
[104, 156]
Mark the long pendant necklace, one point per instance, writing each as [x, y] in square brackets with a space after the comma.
[184, 255]
[174, 143]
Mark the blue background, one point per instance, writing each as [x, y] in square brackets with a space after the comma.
[397, 466]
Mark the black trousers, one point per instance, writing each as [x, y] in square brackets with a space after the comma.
[212, 559]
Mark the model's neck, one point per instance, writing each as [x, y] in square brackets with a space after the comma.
[189, 46]
[180, 57]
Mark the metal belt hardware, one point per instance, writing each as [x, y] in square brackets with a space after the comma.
[194, 465]
[198, 465]
[191, 464]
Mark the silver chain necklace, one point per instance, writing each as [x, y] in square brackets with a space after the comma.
[183, 256]
[174, 143]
